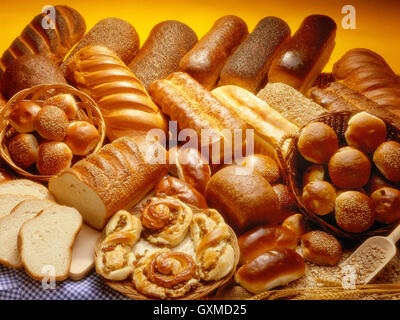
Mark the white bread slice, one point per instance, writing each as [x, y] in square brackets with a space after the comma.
[26, 187]
[10, 226]
[47, 240]
[9, 201]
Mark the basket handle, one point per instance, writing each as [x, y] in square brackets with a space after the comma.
[283, 158]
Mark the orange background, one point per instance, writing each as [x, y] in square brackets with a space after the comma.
[378, 22]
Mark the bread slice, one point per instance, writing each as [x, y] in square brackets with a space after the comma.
[26, 187]
[9, 201]
[10, 226]
[46, 242]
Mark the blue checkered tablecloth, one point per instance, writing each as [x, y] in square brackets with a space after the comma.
[17, 285]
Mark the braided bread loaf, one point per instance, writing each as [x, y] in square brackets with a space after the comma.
[126, 106]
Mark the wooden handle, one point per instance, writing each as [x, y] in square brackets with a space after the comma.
[281, 157]
[395, 235]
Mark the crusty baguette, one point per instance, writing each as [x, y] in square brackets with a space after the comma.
[9, 201]
[10, 226]
[47, 240]
[25, 187]
[116, 177]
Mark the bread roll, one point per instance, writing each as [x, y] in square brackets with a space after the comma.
[271, 269]
[349, 168]
[124, 103]
[245, 199]
[314, 172]
[164, 48]
[386, 202]
[375, 182]
[66, 102]
[317, 142]
[248, 66]
[23, 150]
[206, 59]
[319, 197]
[264, 238]
[286, 200]
[305, 54]
[53, 157]
[22, 116]
[52, 123]
[321, 248]
[387, 160]
[116, 177]
[295, 223]
[264, 166]
[82, 137]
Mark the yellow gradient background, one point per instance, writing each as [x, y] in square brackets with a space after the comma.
[378, 22]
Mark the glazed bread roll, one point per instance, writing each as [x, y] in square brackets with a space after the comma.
[264, 166]
[305, 54]
[54, 42]
[248, 66]
[245, 199]
[206, 59]
[116, 177]
[22, 116]
[124, 103]
[319, 197]
[82, 137]
[386, 202]
[321, 248]
[164, 48]
[286, 200]
[264, 238]
[66, 102]
[314, 172]
[271, 269]
[53, 157]
[296, 224]
[387, 160]
[375, 182]
[23, 150]
[186, 101]
[52, 123]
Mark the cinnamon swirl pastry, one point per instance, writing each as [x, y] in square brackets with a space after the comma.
[164, 274]
[211, 238]
[166, 221]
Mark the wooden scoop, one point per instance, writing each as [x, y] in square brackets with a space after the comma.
[386, 244]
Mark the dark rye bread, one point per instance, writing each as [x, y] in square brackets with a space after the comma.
[164, 48]
[249, 65]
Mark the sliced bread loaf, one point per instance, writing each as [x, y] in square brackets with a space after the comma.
[45, 242]
[9, 201]
[10, 226]
[26, 187]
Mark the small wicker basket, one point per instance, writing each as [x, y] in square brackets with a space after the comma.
[294, 165]
[88, 112]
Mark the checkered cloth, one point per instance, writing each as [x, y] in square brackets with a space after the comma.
[17, 285]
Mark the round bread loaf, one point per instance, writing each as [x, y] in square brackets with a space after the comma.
[66, 102]
[319, 197]
[23, 150]
[386, 202]
[264, 166]
[23, 115]
[82, 137]
[53, 157]
[387, 160]
[52, 123]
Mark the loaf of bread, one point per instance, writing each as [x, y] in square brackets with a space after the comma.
[164, 48]
[248, 66]
[24, 187]
[124, 103]
[116, 177]
[207, 58]
[9, 201]
[305, 54]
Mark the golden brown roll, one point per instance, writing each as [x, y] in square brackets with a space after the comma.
[23, 115]
[365, 132]
[53, 157]
[123, 101]
[354, 212]
[248, 66]
[387, 160]
[286, 200]
[317, 142]
[321, 248]
[264, 238]
[66, 102]
[295, 223]
[82, 137]
[386, 202]
[319, 197]
[314, 172]
[305, 54]
[164, 48]
[244, 199]
[375, 182]
[23, 150]
[52, 123]
[206, 59]
[349, 168]
[182, 190]
[271, 269]
[264, 166]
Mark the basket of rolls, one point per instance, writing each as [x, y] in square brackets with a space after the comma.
[46, 128]
[344, 170]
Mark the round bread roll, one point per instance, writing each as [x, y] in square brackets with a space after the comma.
[317, 142]
[376, 181]
[52, 123]
[319, 197]
[66, 102]
[321, 248]
[265, 238]
[23, 115]
[286, 200]
[82, 137]
[354, 212]
[53, 157]
[23, 150]
[365, 132]
[295, 223]
[349, 168]
[315, 172]
[386, 202]
[387, 160]
[245, 199]
[264, 166]
[5, 175]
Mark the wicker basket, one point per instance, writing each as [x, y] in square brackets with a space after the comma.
[294, 165]
[88, 111]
